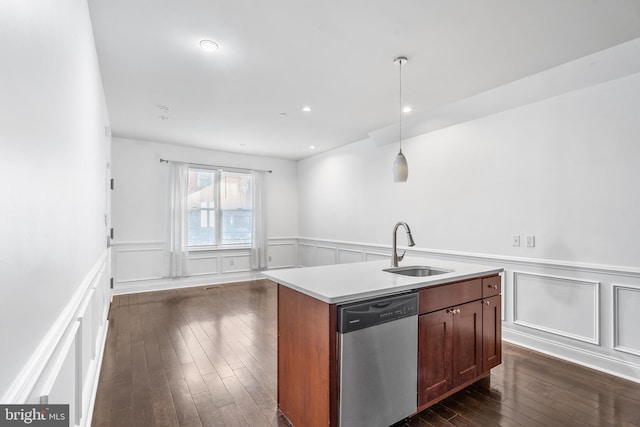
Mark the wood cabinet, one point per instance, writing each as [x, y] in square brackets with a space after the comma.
[307, 370]
[467, 342]
[457, 344]
[491, 332]
[435, 355]
[491, 322]
[459, 333]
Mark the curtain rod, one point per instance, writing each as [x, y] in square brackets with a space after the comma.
[218, 166]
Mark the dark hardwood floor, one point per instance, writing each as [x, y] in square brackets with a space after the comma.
[207, 357]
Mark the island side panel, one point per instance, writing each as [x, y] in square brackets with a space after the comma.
[307, 388]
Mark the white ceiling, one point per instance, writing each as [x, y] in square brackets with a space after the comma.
[334, 56]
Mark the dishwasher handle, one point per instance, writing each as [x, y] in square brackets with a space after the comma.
[353, 317]
[381, 304]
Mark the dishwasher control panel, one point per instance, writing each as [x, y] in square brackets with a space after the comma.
[363, 314]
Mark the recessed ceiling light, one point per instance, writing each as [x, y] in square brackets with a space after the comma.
[306, 109]
[407, 109]
[313, 147]
[209, 45]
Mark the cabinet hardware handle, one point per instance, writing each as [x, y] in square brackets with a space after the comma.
[493, 286]
[487, 302]
[457, 311]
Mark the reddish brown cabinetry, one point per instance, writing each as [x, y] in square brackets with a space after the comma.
[492, 323]
[307, 374]
[435, 355]
[459, 333]
[457, 344]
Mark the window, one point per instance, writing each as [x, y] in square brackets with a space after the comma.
[219, 207]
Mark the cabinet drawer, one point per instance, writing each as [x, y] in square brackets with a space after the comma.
[439, 297]
[491, 286]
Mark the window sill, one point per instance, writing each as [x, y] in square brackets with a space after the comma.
[219, 248]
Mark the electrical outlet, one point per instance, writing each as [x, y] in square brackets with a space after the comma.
[270, 258]
[515, 240]
[531, 241]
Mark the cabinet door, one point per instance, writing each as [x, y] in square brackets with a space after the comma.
[491, 332]
[435, 333]
[467, 342]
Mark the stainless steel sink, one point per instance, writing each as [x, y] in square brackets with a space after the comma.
[417, 270]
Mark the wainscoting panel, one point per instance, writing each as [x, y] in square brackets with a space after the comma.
[236, 263]
[85, 346]
[346, 256]
[376, 256]
[61, 383]
[326, 255]
[306, 255]
[202, 265]
[282, 253]
[562, 306]
[141, 261]
[65, 367]
[626, 319]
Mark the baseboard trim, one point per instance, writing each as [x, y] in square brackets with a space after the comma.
[599, 362]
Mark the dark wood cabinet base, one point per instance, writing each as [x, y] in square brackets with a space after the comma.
[454, 350]
[307, 373]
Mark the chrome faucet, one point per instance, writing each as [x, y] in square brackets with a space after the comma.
[395, 257]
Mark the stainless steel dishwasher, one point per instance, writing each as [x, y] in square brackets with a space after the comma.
[378, 360]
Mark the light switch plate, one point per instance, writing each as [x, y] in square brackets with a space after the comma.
[515, 240]
[531, 241]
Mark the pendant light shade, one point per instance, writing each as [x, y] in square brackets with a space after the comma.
[400, 165]
[400, 168]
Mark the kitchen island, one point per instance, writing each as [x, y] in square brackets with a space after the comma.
[459, 330]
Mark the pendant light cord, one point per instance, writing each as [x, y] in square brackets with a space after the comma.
[400, 109]
[400, 167]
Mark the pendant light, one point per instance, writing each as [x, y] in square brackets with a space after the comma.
[400, 166]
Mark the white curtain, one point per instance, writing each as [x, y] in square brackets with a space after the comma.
[178, 249]
[259, 229]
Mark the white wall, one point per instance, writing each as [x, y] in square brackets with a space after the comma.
[564, 169]
[140, 216]
[53, 183]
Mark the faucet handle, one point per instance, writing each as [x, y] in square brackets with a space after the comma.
[400, 257]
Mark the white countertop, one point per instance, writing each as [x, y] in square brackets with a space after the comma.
[350, 282]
